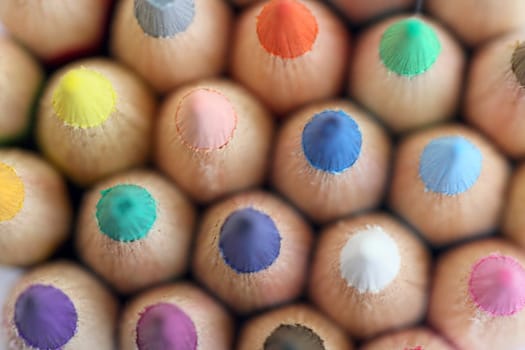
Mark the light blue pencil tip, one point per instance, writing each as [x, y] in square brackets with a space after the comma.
[332, 141]
[164, 18]
[450, 165]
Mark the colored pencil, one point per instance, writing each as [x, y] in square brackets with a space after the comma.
[410, 339]
[252, 251]
[408, 71]
[135, 230]
[35, 210]
[331, 159]
[476, 22]
[292, 327]
[95, 119]
[20, 80]
[171, 42]
[57, 31]
[176, 316]
[449, 182]
[494, 100]
[60, 306]
[479, 294]
[513, 224]
[359, 11]
[213, 138]
[283, 75]
[370, 274]
[8, 277]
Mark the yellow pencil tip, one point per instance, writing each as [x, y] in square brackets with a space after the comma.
[84, 98]
[11, 193]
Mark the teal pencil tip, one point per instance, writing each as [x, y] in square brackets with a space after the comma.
[409, 47]
[126, 213]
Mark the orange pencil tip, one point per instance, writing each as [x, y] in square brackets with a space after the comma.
[286, 28]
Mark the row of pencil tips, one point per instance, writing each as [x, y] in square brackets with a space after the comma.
[370, 274]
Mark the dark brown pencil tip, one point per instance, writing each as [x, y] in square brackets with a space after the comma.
[293, 337]
[518, 63]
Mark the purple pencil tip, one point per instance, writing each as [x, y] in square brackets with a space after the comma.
[45, 317]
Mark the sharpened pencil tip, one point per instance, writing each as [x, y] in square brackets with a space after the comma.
[164, 18]
[286, 28]
[497, 285]
[409, 47]
[84, 98]
[45, 317]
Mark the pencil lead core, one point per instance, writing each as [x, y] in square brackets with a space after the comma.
[497, 285]
[249, 241]
[164, 18]
[205, 119]
[126, 213]
[45, 317]
[409, 47]
[450, 165]
[293, 337]
[165, 326]
[84, 98]
[518, 63]
[12, 192]
[332, 141]
[370, 260]
[286, 28]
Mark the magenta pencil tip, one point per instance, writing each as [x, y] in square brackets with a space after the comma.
[166, 327]
[497, 285]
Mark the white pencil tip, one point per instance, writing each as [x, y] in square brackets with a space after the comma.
[370, 260]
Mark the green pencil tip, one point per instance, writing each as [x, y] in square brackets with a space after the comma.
[409, 47]
[126, 213]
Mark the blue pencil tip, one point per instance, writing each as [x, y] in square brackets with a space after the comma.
[164, 18]
[332, 141]
[450, 165]
[249, 241]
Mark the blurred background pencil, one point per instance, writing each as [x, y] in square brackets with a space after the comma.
[331, 159]
[213, 138]
[292, 327]
[513, 225]
[363, 10]
[57, 31]
[410, 339]
[478, 21]
[8, 277]
[171, 42]
[35, 209]
[494, 101]
[290, 52]
[135, 230]
[252, 251]
[478, 296]
[20, 80]
[60, 306]
[449, 183]
[416, 78]
[370, 274]
[175, 316]
[95, 119]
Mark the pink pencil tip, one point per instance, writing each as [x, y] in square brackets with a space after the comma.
[497, 285]
[205, 119]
